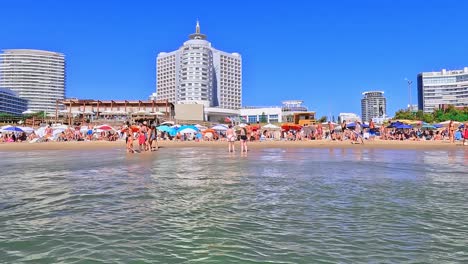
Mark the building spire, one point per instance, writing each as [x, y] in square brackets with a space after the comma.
[197, 34]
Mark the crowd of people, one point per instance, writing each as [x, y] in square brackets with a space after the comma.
[146, 135]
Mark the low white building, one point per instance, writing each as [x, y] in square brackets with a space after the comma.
[348, 117]
[261, 114]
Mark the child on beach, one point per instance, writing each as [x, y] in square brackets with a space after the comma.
[142, 140]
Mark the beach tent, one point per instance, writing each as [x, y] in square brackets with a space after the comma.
[426, 126]
[352, 125]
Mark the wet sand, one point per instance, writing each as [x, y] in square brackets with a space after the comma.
[377, 144]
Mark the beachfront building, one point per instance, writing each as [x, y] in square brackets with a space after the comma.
[442, 88]
[373, 105]
[291, 107]
[109, 111]
[11, 103]
[253, 114]
[348, 117]
[35, 75]
[197, 73]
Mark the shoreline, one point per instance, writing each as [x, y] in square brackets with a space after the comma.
[98, 145]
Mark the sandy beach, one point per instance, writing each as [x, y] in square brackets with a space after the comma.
[377, 144]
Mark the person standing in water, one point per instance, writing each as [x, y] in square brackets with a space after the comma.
[243, 139]
[231, 138]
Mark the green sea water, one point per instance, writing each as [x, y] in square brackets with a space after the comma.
[205, 205]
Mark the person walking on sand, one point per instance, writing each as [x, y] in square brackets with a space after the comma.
[231, 138]
[243, 139]
[357, 133]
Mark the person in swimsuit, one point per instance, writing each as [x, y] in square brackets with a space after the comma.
[231, 138]
[243, 139]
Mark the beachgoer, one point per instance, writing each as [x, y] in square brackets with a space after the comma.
[465, 133]
[357, 133]
[243, 139]
[141, 140]
[130, 142]
[231, 138]
[331, 128]
[451, 131]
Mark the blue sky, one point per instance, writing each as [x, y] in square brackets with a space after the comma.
[325, 53]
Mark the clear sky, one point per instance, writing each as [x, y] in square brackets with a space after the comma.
[323, 52]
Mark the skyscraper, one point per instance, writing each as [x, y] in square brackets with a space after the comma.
[442, 88]
[197, 73]
[36, 75]
[373, 105]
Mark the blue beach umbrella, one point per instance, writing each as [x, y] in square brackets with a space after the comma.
[403, 126]
[163, 128]
[187, 129]
[12, 129]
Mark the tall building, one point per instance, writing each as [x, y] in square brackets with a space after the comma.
[442, 88]
[10, 103]
[35, 75]
[197, 73]
[373, 105]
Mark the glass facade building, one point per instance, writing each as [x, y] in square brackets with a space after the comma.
[197, 73]
[442, 88]
[36, 75]
[373, 105]
[10, 103]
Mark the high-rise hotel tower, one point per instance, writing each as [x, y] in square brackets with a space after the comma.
[373, 105]
[35, 75]
[197, 73]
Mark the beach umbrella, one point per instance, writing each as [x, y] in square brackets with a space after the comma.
[163, 128]
[428, 127]
[156, 113]
[291, 126]
[168, 123]
[403, 126]
[28, 130]
[187, 129]
[200, 127]
[28, 112]
[105, 127]
[220, 127]
[270, 126]
[12, 129]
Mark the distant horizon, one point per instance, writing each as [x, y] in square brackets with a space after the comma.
[325, 54]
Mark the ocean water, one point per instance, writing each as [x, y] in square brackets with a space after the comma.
[205, 205]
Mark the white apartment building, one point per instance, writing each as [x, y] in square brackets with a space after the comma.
[35, 75]
[373, 105]
[197, 73]
[442, 88]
